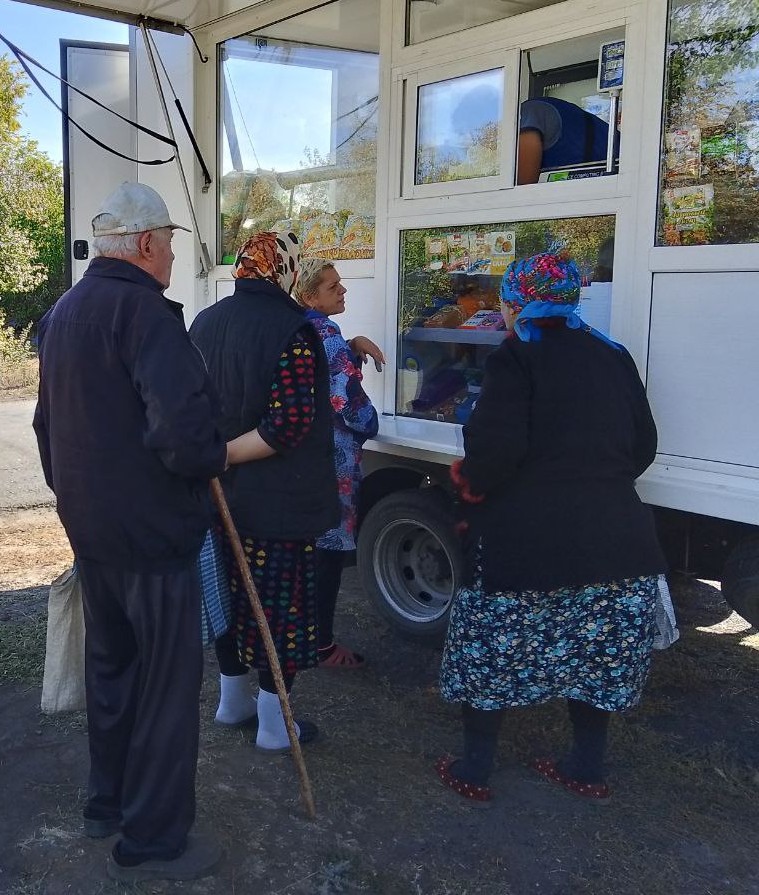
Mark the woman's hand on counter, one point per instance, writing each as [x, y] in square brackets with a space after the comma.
[364, 348]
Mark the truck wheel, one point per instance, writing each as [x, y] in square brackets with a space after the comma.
[410, 562]
[740, 580]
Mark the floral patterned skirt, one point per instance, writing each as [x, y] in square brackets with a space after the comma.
[590, 643]
[284, 573]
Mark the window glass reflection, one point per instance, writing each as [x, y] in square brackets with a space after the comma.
[459, 128]
[299, 133]
[710, 147]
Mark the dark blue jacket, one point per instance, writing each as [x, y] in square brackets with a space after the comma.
[560, 433]
[292, 494]
[126, 421]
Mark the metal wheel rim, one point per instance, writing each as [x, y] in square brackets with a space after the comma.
[408, 560]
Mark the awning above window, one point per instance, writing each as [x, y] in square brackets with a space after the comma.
[163, 14]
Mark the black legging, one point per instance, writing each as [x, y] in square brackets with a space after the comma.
[480, 742]
[589, 728]
[583, 763]
[230, 664]
[329, 570]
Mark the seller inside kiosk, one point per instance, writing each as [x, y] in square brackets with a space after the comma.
[556, 135]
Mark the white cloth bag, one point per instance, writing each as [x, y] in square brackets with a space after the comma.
[666, 623]
[63, 681]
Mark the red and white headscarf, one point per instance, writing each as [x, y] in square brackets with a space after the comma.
[270, 256]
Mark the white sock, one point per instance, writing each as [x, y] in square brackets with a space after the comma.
[236, 704]
[272, 733]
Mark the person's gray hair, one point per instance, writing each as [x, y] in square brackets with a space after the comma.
[309, 277]
[120, 246]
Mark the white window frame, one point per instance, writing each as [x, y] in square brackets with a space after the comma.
[408, 86]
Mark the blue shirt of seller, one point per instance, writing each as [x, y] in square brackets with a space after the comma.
[570, 135]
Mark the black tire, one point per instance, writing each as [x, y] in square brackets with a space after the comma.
[410, 562]
[740, 580]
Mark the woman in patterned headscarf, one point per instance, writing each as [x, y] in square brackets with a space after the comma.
[269, 366]
[564, 558]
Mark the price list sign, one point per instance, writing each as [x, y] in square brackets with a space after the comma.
[611, 65]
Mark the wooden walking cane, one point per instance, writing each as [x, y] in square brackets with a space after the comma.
[220, 500]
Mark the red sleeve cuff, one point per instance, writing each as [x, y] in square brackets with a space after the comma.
[461, 484]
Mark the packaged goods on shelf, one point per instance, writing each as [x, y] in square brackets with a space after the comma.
[459, 256]
[484, 319]
[439, 388]
[448, 317]
[435, 252]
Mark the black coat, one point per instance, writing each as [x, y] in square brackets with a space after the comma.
[560, 433]
[292, 494]
[126, 421]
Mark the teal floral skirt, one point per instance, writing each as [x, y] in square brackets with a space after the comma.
[590, 643]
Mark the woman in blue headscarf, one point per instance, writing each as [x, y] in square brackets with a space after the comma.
[564, 557]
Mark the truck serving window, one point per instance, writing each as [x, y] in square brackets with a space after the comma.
[298, 146]
[567, 105]
[710, 143]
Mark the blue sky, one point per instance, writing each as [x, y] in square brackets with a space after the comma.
[37, 31]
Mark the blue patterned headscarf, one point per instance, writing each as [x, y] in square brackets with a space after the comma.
[545, 285]
[551, 277]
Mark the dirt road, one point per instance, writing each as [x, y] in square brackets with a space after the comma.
[21, 481]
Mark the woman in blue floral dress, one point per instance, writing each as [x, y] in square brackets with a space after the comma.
[564, 558]
[355, 420]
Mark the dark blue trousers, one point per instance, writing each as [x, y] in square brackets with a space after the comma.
[144, 666]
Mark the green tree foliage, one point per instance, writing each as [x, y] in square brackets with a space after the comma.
[12, 91]
[31, 213]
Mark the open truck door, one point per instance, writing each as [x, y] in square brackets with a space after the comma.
[89, 174]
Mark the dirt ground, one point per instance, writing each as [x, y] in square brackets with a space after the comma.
[684, 767]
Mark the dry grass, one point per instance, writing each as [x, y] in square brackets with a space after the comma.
[19, 374]
[34, 548]
[18, 363]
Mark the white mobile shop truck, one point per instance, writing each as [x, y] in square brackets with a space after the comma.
[385, 133]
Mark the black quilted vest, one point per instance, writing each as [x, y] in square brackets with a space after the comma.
[290, 495]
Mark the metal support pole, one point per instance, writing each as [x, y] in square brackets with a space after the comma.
[612, 138]
[205, 257]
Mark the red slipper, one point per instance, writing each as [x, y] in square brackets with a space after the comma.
[596, 792]
[468, 790]
[341, 657]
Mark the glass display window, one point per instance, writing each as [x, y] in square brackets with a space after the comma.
[426, 20]
[299, 120]
[449, 312]
[709, 175]
[456, 136]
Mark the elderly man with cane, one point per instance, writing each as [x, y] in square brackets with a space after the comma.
[126, 426]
